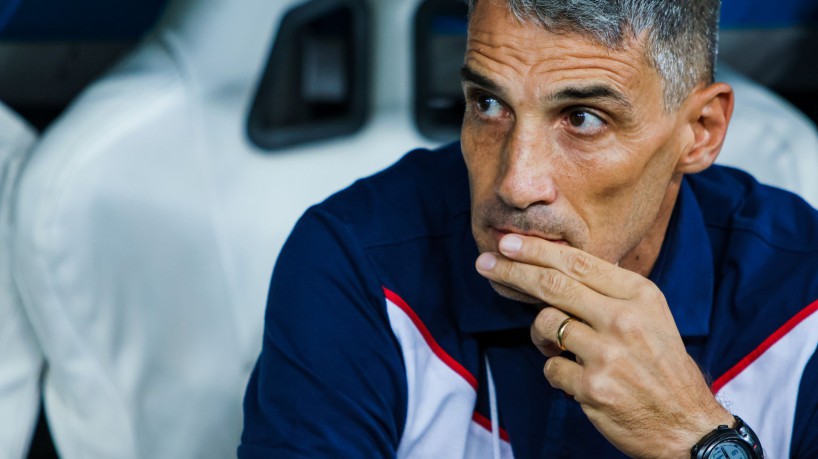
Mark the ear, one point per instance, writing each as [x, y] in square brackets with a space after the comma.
[708, 111]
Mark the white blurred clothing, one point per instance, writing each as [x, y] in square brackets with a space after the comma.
[20, 357]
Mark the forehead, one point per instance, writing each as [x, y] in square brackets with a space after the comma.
[502, 46]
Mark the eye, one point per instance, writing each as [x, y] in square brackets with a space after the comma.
[586, 123]
[488, 106]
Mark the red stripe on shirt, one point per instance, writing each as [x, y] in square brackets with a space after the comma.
[430, 341]
[761, 349]
[485, 423]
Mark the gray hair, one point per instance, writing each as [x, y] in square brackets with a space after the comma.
[681, 35]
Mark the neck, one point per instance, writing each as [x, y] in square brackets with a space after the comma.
[643, 256]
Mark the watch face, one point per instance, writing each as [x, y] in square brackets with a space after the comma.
[729, 450]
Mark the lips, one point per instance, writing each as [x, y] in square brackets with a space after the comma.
[498, 234]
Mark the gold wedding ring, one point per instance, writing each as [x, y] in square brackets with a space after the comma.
[561, 332]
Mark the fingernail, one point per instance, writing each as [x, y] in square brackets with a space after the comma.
[486, 262]
[511, 244]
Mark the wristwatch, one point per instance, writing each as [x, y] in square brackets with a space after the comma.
[739, 442]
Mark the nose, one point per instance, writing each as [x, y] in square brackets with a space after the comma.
[526, 175]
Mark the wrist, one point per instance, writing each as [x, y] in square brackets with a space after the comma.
[738, 442]
[700, 427]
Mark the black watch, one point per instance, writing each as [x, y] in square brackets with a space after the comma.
[739, 442]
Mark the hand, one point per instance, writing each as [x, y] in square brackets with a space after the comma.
[633, 376]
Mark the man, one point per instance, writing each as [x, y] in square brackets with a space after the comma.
[645, 287]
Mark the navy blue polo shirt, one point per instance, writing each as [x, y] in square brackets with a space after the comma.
[380, 335]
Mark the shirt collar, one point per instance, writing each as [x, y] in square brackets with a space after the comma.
[684, 272]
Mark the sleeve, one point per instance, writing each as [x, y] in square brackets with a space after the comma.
[330, 380]
[805, 430]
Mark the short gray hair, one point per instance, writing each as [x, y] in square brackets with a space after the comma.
[681, 35]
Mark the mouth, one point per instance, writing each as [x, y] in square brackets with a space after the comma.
[499, 233]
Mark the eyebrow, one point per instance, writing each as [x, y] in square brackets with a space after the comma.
[467, 74]
[598, 92]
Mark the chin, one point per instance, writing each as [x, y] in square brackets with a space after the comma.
[512, 294]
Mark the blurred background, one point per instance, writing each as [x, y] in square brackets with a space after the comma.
[50, 50]
[158, 152]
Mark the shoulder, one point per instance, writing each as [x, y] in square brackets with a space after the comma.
[424, 194]
[402, 236]
[765, 253]
[732, 200]
[765, 243]
[764, 327]
[389, 225]
[405, 228]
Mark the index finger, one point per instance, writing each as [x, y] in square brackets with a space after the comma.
[597, 274]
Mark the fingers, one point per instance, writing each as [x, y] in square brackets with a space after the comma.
[599, 275]
[539, 336]
[547, 284]
[563, 374]
[577, 337]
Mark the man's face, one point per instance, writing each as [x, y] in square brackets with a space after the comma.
[565, 139]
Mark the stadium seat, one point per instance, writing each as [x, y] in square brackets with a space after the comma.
[149, 223]
[770, 138]
[76, 20]
[20, 357]
[771, 45]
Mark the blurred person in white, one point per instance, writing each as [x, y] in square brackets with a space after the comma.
[20, 356]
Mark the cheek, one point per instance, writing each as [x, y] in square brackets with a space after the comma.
[601, 169]
[482, 149]
[627, 199]
[630, 169]
[615, 191]
[603, 181]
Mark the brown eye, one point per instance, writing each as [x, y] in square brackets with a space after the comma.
[577, 118]
[586, 123]
[488, 106]
[484, 103]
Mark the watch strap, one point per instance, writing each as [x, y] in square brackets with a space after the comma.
[741, 434]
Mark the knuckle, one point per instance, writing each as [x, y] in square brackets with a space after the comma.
[596, 389]
[624, 323]
[634, 284]
[541, 321]
[647, 290]
[537, 332]
[508, 272]
[503, 268]
[545, 325]
[580, 264]
[654, 295]
[544, 320]
[609, 356]
[552, 282]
